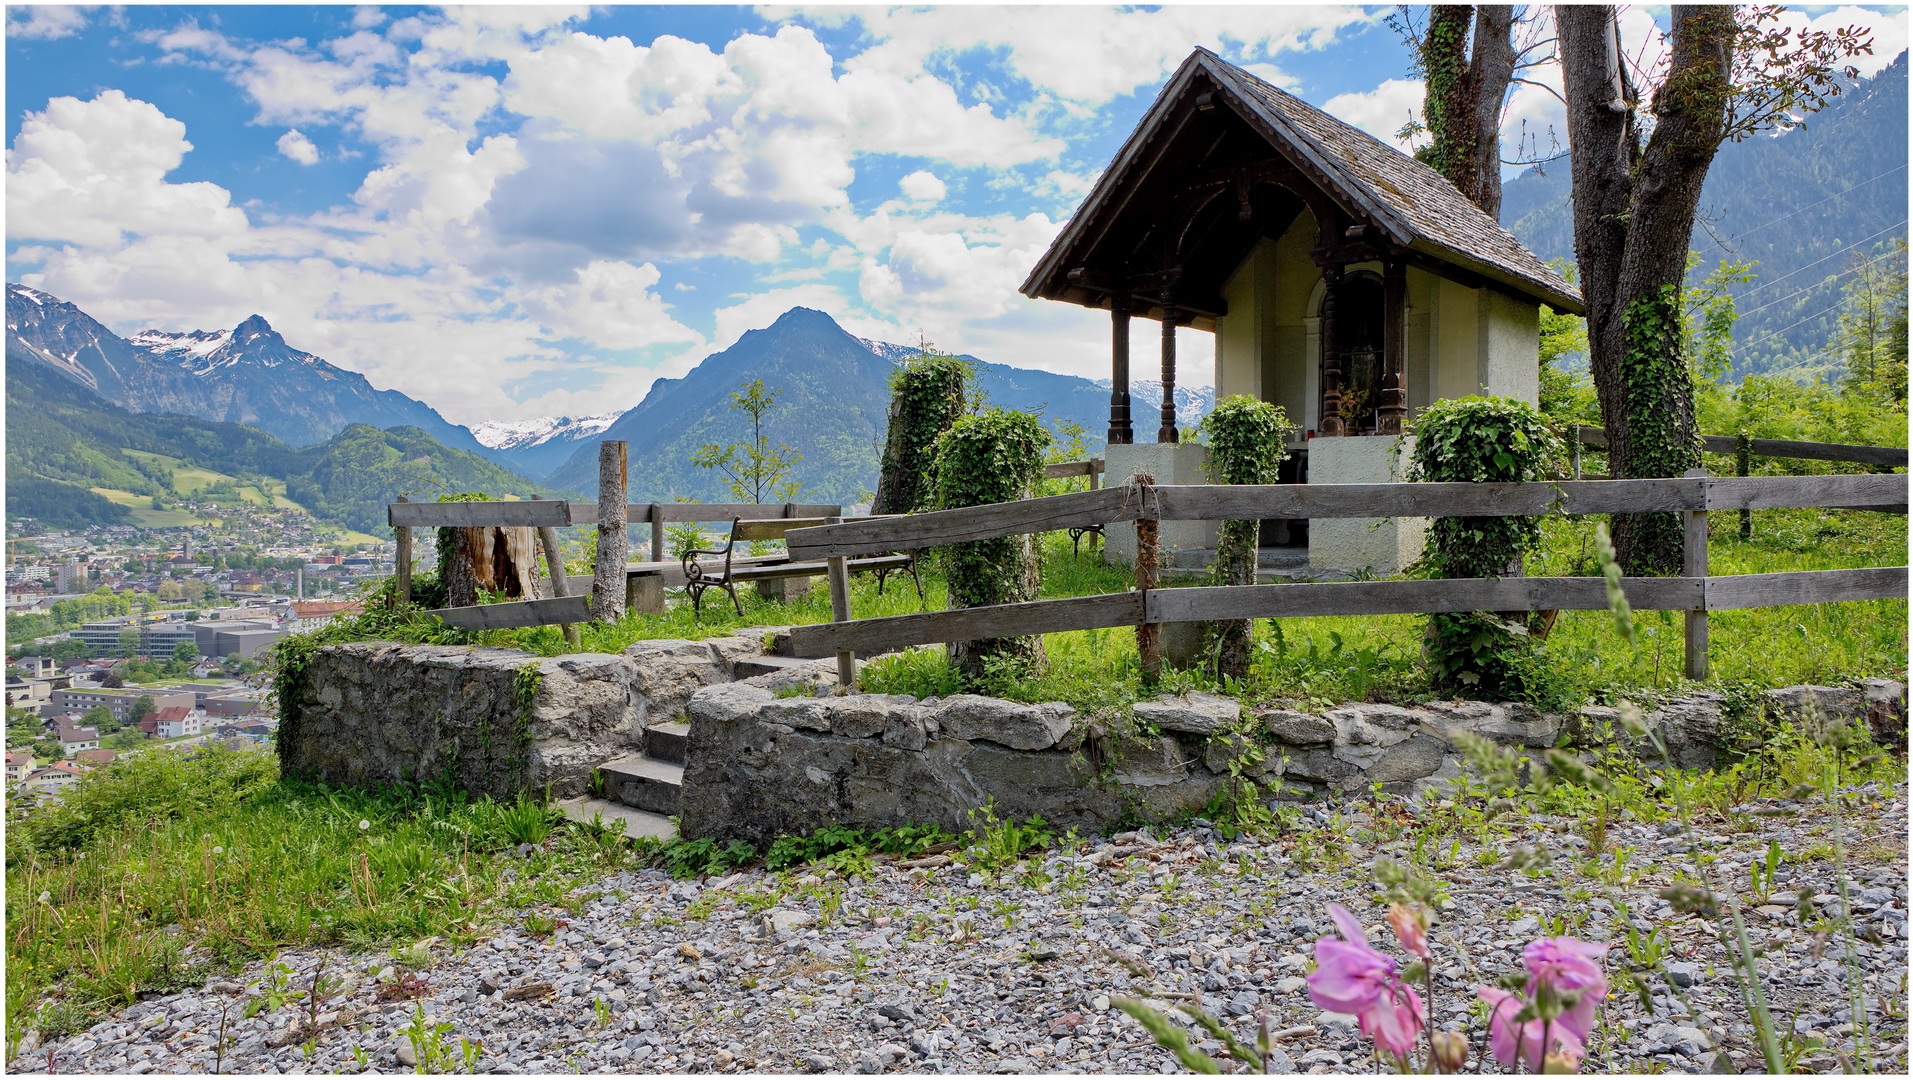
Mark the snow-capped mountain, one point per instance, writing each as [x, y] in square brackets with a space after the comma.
[524, 434]
[536, 447]
[246, 375]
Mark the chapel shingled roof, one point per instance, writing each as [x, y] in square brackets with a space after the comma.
[1410, 200]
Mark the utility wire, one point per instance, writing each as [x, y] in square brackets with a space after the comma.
[1823, 281]
[1764, 338]
[1804, 209]
[1848, 250]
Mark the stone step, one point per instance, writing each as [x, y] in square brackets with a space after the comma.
[637, 823]
[645, 783]
[766, 665]
[665, 742]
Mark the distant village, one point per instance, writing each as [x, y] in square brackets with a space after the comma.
[121, 639]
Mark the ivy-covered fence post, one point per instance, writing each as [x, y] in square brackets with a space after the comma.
[1247, 440]
[1480, 440]
[991, 457]
[927, 396]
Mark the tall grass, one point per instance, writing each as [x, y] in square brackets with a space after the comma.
[126, 888]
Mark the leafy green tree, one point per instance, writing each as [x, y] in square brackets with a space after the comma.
[927, 395]
[755, 472]
[142, 708]
[186, 654]
[101, 717]
[991, 457]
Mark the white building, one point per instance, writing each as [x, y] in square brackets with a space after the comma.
[1343, 280]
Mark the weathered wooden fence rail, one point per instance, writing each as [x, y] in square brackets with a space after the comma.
[1695, 592]
[1888, 456]
[1220, 502]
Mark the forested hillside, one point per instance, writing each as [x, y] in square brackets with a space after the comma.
[1813, 209]
[63, 441]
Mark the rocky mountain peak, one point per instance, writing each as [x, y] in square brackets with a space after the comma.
[254, 328]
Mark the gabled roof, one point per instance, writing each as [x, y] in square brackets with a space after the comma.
[1411, 202]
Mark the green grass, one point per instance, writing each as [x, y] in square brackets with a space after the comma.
[1325, 660]
[143, 513]
[163, 870]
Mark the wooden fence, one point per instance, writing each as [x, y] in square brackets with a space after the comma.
[1694, 592]
[609, 584]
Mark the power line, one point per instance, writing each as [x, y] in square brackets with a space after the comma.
[1769, 337]
[1848, 250]
[1804, 209]
[1823, 281]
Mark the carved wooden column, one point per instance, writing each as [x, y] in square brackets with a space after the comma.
[1120, 432]
[1330, 423]
[1167, 433]
[1392, 407]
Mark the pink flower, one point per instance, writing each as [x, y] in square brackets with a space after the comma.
[1570, 967]
[1352, 978]
[1410, 930]
[1526, 1041]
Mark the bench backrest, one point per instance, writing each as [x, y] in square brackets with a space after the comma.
[746, 529]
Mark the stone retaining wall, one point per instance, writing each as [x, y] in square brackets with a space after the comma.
[773, 754]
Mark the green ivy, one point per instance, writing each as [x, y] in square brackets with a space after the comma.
[927, 396]
[991, 457]
[1247, 440]
[1481, 440]
[1662, 438]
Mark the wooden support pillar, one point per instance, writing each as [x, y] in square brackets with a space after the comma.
[1330, 423]
[1392, 407]
[1120, 431]
[839, 574]
[402, 563]
[608, 579]
[1694, 565]
[555, 563]
[1167, 433]
[657, 533]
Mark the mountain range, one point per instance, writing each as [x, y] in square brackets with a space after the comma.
[246, 375]
[832, 402]
[1802, 206]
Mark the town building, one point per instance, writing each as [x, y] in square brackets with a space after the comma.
[74, 738]
[1343, 280]
[119, 702]
[18, 766]
[176, 723]
[55, 777]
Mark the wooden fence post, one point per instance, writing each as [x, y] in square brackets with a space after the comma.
[838, 572]
[403, 559]
[1148, 575]
[555, 560]
[1694, 565]
[657, 533]
[614, 547]
[1744, 466]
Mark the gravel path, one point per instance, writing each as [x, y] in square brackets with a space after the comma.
[928, 967]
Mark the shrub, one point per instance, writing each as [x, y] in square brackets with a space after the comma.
[155, 786]
[992, 457]
[1481, 440]
[927, 396]
[1247, 440]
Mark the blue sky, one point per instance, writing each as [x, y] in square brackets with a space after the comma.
[524, 211]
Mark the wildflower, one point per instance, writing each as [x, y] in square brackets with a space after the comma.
[1513, 1040]
[1572, 969]
[45, 897]
[1451, 1049]
[1352, 978]
[364, 824]
[218, 850]
[1410, 924]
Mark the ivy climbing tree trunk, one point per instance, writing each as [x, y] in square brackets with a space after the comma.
[992, 457]
[1466, 82]
[1634, 208]
[927, 396]
[1247, 440]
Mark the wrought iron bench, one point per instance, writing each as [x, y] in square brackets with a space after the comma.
[701, 574]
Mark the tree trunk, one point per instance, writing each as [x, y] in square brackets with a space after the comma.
[1463, 103]
[1633, 214]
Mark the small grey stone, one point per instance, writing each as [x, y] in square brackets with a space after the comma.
[1683, 974]
[1194, 713]
[1296, 729]
[818, 1063]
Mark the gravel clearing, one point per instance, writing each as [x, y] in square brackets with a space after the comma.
[927, 966]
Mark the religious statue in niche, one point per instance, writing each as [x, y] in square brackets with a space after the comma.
[1358, 332]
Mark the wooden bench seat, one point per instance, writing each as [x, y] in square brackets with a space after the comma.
[699, 576]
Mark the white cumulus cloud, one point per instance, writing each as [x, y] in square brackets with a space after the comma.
[295, 145]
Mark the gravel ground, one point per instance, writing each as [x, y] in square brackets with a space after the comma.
[925, 966]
